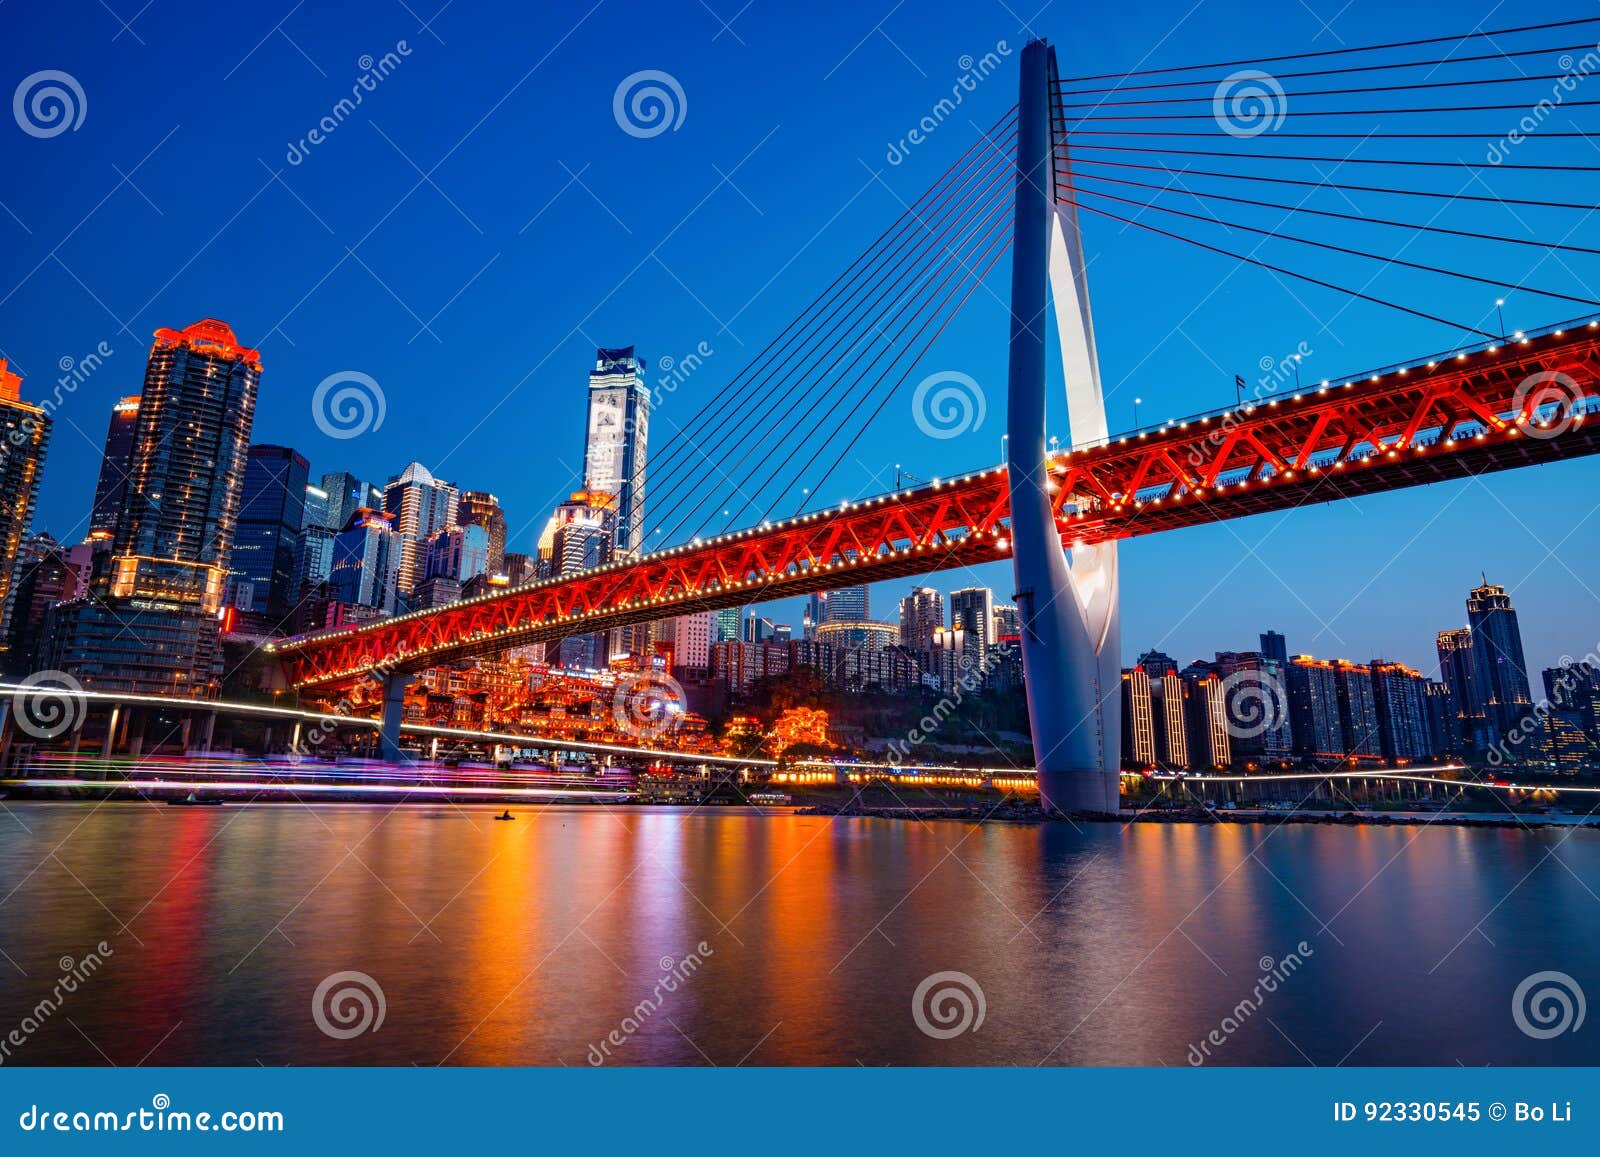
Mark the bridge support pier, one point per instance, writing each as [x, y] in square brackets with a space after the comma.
[1071, 641]
[394, 698]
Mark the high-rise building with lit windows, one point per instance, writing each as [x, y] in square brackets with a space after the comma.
[151, 625]
[480, 508]
[1398, 694]
[1206, 714]
[1358, 710]
[616, 440]
[24, 436]
[422, 506]
[1459, 674]
[1498, 662]
[1138, 721]
[1313, 693]
[921, 613]
[366, 561]
[972, 609]
[115, 462]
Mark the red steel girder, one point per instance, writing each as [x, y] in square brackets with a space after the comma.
[1463, 415]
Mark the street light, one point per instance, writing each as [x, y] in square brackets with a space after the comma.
[1136, 402]
[1297, 360]
[1499, 305]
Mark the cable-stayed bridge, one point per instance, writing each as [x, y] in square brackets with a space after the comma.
[737, 521]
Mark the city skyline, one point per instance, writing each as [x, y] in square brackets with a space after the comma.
[514, 387]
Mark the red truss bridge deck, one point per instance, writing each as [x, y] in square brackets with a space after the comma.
[1527, 401]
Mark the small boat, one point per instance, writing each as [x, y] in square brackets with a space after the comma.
[192, 800]
[505, 815]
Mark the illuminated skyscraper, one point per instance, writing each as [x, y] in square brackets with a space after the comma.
[24, 435]
[1358, 709]
[1168, 719]
[422, 506]
[314, 547]
[1138, 721]
[1398, 693]
[1498, 664]
[480, 508]
[115, 463]
[1458, 672]
[152, 623]
[972, 609]
[921, 613]
[1314, 709]
[1206, 713]
[616, 440]
[366, 561]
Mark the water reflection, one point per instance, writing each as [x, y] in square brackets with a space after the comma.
[538, 942]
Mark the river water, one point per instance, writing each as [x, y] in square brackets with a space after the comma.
[640, 936]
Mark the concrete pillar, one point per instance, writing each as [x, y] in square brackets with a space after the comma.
[394, 698]
[111, 733]
[184, 729]
[5, 737]
[208, 731]
[294, 743]
[136, 725]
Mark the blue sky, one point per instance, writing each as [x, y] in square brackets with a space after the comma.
[481, 223]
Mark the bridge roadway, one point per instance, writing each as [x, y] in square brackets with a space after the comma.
[1460, 414]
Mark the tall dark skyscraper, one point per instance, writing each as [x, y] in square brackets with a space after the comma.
[1274, 646]
[1314, 708]
[24, 436]
[1498, 663]
[151, 625]
[1460, 678]
[616, 440]
[115, 463]
[272, 509]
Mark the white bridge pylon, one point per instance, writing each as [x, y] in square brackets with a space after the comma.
[1071, 636]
